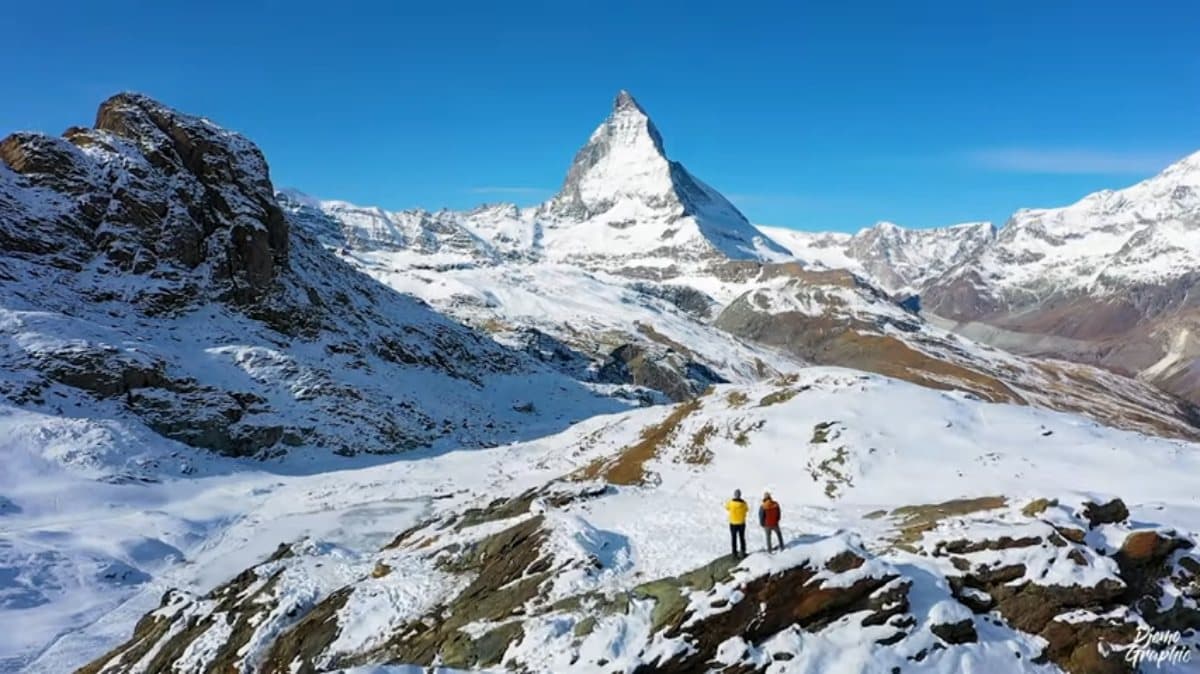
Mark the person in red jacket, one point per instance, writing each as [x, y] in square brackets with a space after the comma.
[768, 516]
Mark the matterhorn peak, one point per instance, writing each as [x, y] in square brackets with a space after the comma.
[626, 101]
[622, 181]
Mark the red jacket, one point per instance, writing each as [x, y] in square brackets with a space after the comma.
[768, 514]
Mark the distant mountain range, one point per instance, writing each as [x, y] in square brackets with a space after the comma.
[627, 210]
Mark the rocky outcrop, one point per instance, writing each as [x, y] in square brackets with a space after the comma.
[768, 604]
[673, 373]
[685, 298]
[153, 192]
[1112, 512]
[1082, 624]
[529, 586]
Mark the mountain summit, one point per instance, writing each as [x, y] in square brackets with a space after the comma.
[624, 196]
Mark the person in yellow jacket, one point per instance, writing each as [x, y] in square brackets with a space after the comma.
[737, 510]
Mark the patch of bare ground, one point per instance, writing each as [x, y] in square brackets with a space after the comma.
[655, 336]
[780, 396]
[1084, 391]
[697, 451]
[892, 357]
[628, 466]
[915, 520]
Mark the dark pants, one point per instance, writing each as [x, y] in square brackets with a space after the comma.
[778, 534]
[737, 534]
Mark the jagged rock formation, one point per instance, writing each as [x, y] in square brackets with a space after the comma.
[147, 191]
[149, 273]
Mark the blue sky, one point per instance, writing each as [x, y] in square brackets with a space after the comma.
[808, 115]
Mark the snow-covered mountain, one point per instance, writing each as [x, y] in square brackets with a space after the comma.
[159, 299]
[623, 208]
[514, 272]
[624, 202]
[1107, 281]
[150, 275]
[1110, 280]
[897, 259]
[1106, 243]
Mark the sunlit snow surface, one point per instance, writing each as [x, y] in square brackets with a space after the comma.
[105, 551]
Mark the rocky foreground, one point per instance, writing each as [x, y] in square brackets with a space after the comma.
[1015, 571]
[616, 564]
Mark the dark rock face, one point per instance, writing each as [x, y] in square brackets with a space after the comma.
[771, 603]
[961, 632]
[685, 298]
[153, 192]
[672, 373]
[1106, 513]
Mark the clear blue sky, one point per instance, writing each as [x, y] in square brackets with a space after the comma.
[814, 115]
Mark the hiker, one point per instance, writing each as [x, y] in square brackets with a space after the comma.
[737, 509]
[768, 517]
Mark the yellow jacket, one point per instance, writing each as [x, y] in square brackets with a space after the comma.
[737, 509]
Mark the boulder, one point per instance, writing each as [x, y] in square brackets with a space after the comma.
[960, 632]
[1111, 512]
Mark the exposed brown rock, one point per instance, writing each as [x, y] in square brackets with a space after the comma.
[1143, 561]
[1075, 647]
[1038, 506]
[771, 603]
[305, 642]
[509, 569]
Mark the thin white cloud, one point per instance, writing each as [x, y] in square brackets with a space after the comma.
[501, 189]
[1070, 161]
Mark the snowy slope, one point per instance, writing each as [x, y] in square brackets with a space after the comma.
[599, 573]
[832, 317]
